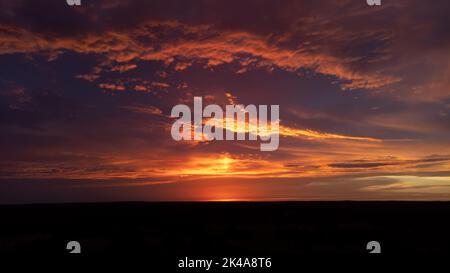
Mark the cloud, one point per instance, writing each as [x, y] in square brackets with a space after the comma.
[161, 85]
[363, 93]
[296, 132]
[410, 184]
[111, 86]
[123, 68]
[150, 110]
[359, 165]
[140, 87]
[87, 77]
[180, 66]
[362, 50]
[217, 49]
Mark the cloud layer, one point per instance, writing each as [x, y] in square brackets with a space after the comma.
[86, 94]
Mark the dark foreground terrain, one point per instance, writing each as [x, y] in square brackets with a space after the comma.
[167, 232]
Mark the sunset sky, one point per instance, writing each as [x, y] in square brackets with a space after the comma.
[86, 95]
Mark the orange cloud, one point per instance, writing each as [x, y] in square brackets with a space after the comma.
[219, 48]
[140, 88]
[111, 86]
[161, 85]
[151, 110]
[311, 134]
[124, 67]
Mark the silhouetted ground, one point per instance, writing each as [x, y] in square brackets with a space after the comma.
[167, 232]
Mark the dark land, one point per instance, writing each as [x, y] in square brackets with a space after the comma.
[169, 231]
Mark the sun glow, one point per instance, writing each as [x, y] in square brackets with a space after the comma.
[209, 166]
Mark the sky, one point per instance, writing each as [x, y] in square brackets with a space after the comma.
[86, 94]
